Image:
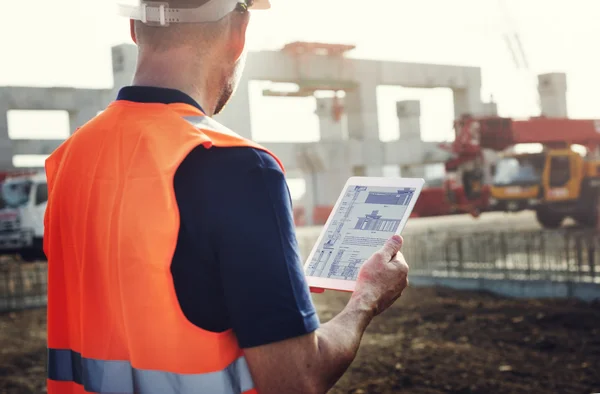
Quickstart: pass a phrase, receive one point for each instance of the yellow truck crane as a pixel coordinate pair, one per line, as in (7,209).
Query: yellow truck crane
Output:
(560,181)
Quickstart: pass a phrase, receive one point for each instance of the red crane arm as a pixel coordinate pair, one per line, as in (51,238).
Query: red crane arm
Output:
(500,133)
(550,131)
(475,134)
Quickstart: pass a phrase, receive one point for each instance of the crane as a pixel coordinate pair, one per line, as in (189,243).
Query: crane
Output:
(557,182)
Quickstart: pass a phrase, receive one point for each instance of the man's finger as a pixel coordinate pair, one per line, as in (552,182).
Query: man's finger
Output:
(391,248)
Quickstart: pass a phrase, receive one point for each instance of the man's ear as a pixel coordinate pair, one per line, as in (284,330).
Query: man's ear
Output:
(132,30)
(239,26)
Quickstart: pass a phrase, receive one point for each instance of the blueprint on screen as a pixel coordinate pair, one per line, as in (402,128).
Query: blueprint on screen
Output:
(366,218)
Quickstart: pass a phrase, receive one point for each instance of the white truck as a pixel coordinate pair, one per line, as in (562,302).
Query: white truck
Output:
(23,201)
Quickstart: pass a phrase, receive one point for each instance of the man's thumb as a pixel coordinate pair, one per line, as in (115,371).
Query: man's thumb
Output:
(392,247)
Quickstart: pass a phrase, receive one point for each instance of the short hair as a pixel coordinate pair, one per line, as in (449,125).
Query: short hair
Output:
(160,38)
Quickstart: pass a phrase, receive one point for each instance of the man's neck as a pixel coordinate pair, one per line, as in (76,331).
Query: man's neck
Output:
(166,72)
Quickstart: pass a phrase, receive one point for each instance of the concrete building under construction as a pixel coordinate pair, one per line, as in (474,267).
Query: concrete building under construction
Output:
(346,148)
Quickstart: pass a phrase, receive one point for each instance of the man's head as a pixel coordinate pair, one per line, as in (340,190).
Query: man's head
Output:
(210,53)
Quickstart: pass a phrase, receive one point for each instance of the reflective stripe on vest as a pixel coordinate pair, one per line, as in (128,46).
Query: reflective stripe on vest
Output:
(100,376)
(206,123)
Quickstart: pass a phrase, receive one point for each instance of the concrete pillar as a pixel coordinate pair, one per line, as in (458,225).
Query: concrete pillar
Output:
(332,175)
(552,89)
(467,101)
(308,200)
(326,170)
(124,60)
(330,185)
(330,130)
(361,110)
(337,169)
(327,179)
(82,116)
(6,149)
(374,170)
(489,109)
(326,187)
(409,121)
(416,171)
(363,125)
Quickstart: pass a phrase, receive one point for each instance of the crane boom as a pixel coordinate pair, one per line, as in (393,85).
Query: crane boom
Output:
(495,133)
(550,131)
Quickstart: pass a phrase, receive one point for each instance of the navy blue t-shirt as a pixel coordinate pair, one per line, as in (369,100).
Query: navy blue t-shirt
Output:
(236,264)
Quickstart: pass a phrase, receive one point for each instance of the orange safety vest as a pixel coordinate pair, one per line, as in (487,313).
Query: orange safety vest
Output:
(112,223)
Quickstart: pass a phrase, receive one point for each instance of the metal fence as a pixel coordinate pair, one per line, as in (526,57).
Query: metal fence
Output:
(556,256)
(22,285)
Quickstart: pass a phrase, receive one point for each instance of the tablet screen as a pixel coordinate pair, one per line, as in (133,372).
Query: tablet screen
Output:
(367,216)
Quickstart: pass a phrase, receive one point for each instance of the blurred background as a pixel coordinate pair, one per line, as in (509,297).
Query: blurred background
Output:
(494,102)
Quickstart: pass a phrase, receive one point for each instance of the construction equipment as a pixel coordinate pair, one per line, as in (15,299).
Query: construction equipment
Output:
(23,200)
(560,180)
(466,186)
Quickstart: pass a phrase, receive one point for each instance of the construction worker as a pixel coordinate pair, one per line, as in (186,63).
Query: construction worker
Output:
(172,256)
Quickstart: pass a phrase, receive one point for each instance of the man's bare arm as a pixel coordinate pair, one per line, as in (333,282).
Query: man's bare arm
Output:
(313,363)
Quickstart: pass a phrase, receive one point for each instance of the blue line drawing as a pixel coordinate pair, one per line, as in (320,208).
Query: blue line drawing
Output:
(402,197)
(338,231)
(374,222)
(321,262)
(348,270)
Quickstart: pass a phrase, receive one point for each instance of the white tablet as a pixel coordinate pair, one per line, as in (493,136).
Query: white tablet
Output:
(368,212)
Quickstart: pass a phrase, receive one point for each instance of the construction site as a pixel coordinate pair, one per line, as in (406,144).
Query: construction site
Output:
(504,248)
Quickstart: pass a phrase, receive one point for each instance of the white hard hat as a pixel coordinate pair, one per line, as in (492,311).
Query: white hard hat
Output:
(159,13)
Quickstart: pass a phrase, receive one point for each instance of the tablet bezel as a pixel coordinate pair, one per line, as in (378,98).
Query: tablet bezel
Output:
(347,285)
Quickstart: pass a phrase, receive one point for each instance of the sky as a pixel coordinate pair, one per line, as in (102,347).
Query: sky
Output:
(67,43)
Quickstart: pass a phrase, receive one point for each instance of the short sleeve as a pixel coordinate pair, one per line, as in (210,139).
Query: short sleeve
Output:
(266,293)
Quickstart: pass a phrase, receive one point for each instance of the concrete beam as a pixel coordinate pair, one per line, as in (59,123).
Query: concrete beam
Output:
(81,104)
(331,155)
(58,98)
(279,67)
(363,149)
(361,103)
(35,147)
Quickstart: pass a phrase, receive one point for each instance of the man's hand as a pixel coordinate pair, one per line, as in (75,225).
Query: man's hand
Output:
(383,278)
(313,363)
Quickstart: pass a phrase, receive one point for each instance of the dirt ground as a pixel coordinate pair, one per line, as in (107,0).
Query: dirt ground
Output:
(433,341)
